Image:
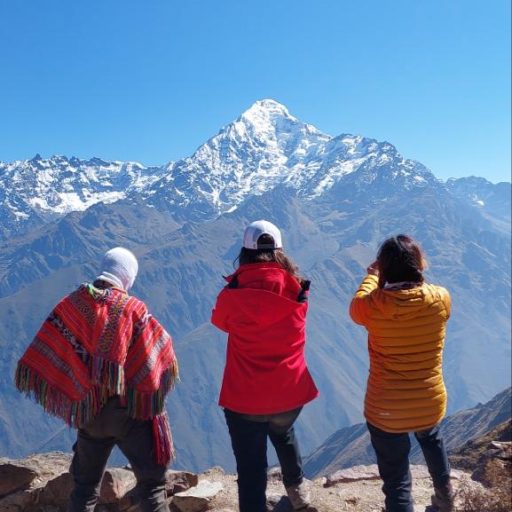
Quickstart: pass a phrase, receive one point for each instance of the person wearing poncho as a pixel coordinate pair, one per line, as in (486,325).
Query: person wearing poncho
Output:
(103,364)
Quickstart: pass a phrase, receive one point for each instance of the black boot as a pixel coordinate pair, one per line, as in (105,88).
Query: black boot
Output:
(444,498)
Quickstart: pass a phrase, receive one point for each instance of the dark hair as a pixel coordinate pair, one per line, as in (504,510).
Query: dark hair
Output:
(101,285)
(400,258)
(248,256)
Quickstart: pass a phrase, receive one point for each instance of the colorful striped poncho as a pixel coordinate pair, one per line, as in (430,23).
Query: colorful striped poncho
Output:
(96,344)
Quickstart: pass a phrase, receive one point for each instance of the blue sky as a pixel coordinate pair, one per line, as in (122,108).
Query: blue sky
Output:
(150,81)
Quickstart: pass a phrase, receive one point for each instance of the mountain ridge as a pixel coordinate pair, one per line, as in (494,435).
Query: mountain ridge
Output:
(351,445)
(264,147)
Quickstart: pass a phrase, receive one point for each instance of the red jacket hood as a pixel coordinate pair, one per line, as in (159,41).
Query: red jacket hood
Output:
(259,295)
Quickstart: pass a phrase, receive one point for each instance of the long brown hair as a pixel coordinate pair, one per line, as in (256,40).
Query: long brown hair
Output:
(248,256)
(400,258)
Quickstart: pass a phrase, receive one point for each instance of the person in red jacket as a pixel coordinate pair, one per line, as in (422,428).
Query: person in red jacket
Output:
(266,381)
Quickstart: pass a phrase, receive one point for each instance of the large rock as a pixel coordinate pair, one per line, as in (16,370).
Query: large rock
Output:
(179,481)
(197,498)
(115,484)
(58,490)
(18,501)
(353,474)
(14,477)
(501,450)
(29,476)
(276,502)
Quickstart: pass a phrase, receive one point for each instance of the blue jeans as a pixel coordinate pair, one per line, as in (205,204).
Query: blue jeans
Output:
(392,452)
(249,441)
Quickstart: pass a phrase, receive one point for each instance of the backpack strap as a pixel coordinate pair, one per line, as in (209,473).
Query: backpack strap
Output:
(233,283)
(304,292)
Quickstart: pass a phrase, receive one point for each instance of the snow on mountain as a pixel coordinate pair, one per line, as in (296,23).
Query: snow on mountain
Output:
(477,190)
(265,147)
(472,188)
(492,199)
(45,188)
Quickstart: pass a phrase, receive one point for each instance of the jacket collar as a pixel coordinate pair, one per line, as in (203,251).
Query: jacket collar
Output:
(253,266)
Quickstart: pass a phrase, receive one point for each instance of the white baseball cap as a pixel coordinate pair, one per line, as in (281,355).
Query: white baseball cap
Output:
(262,227)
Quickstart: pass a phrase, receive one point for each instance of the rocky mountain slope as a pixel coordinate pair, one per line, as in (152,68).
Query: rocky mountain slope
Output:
(351,445)
(493,200)
(494,446)
(335,198)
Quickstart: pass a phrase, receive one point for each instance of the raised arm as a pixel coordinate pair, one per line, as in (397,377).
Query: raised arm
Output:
(359,305)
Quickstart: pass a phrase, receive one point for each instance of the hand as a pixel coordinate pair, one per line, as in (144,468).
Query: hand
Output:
(373,268)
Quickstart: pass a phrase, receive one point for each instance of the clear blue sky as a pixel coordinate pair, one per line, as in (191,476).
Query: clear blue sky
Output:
(152,80)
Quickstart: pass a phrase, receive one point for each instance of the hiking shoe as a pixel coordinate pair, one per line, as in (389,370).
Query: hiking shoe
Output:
(444,498)
(299,495)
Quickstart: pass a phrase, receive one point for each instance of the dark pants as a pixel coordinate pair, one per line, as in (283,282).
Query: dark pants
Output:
(249,441)
(392,452)
(91,451)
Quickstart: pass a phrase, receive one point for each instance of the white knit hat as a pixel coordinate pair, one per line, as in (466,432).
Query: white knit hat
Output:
(262,227)
(119,268)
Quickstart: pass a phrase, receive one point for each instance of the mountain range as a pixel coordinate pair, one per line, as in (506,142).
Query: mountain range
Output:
(335,199)
(351,445)
(264,148)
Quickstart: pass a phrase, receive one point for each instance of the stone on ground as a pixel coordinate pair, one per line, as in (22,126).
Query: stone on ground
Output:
(179,481)
(353,474)
(196,499)
(57,491)
(115,484)
(15,477)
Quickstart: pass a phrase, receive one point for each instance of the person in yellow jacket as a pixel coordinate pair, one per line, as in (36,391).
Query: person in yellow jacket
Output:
(406,322)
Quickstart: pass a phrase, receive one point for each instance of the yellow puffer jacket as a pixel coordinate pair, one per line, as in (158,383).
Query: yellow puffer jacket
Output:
(406,332)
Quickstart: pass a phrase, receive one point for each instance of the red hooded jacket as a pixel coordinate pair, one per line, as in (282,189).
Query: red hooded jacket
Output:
(265,371)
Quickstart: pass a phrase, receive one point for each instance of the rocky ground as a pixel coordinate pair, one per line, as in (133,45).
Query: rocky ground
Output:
(41,483)
(356,489)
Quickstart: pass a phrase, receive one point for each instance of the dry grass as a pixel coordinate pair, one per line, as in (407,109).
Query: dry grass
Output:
(496,498)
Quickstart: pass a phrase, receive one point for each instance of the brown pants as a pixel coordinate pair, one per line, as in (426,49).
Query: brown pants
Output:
(94,444)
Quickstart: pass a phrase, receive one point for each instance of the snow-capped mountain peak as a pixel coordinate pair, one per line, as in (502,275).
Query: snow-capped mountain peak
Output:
(266,109)
(264,147)
(493,199)
(267,146)
(49,187)
(267,117)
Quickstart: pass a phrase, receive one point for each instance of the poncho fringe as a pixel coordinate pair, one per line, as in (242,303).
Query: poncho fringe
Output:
(142,406)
